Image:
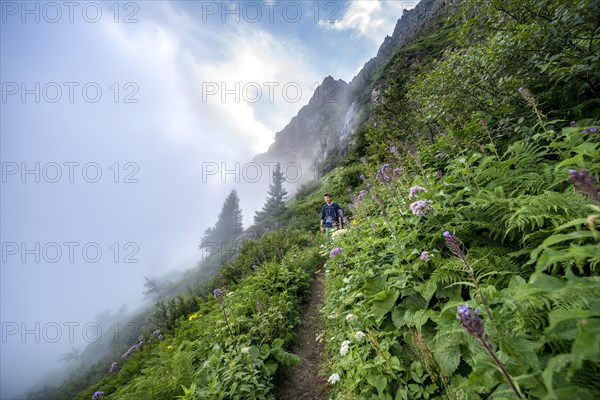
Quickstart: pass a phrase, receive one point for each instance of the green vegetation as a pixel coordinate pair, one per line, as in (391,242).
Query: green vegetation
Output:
(471,184)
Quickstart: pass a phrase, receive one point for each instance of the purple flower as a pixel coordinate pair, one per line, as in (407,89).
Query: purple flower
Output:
(362,193)
(584,183)
(421,208)
(362,177)
(156,332)
(413,191)
(349,190)
(573,123)
(113,367)
(447,234)
(591,129)
(426,256)
(521,90)
(160,337)
(217,293)
(393,149)
(97,395)
(335,251)
(470,321)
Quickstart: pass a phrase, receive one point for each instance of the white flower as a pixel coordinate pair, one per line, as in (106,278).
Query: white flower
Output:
(333,378)
(246,350)
(344,348)
(350,317)
(336,233)
(359,335)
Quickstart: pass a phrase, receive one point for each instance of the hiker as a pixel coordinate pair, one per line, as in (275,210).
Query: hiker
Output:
(331,215)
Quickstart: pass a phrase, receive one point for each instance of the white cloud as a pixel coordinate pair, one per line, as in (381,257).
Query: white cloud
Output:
(371,18)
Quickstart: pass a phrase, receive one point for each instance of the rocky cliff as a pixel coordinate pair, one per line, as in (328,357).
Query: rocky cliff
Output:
(323,128)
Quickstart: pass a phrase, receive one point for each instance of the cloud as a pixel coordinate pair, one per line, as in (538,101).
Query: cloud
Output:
(373,18)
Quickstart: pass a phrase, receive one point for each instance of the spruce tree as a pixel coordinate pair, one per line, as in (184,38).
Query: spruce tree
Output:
(228,225)
(274,209)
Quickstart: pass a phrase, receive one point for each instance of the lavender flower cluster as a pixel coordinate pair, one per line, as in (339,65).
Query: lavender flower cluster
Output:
(113,367)
(584,183)
(413,191)
(420,208)
(335,251)
(132,349)
(471,321)
(98,395)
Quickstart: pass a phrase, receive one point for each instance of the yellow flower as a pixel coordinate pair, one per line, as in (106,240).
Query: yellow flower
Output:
(169,347)
(354,222)
(193,316)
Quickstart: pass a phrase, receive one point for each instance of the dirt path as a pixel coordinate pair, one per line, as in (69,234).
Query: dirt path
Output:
(303,382)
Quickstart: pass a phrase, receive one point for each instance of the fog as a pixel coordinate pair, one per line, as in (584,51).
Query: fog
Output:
(124,125)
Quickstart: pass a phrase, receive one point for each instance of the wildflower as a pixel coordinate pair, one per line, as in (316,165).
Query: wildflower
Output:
(333,378)
(217,293)
(584,183)
(170,347)
(246,349)
(474,326)
(255,267)
(349,190)
(573,123)
(413,191)
(421,208)
(354,222)
(393,149)
(344,348)
(98,395)
(591,129)
(359,335)
(160,337)
(156,332)
(362,193)
(470,321)
(193,317)
(438,155)
(341,266)
(362,177)
(113,367)
(426,256)
(351,317)
(335,251)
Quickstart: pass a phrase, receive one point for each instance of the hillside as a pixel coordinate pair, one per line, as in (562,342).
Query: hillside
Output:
(468,268)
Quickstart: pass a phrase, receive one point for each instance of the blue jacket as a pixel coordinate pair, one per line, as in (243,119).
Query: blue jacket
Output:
(330,214)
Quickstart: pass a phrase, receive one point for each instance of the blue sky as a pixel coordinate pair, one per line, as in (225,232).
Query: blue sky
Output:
(116,110)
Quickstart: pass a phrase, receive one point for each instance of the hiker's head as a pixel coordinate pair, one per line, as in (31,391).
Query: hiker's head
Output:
(327,198)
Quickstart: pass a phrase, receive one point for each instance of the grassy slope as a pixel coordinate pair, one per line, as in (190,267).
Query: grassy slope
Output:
(500,186)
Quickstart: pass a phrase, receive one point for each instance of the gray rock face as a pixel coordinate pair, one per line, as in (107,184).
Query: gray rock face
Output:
(325,125)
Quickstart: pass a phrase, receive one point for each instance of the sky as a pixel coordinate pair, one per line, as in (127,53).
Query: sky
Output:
(124,125)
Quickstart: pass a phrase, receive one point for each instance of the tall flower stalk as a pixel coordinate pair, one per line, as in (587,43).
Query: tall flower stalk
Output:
(473,324)
(455,246)
(218,294)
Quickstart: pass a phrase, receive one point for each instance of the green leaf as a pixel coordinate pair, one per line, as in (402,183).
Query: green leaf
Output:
(383,302)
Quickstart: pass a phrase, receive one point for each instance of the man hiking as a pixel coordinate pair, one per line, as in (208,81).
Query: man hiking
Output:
(331,215)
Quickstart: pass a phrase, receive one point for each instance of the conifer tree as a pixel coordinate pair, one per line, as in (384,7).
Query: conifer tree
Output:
(274,209)
(228,226)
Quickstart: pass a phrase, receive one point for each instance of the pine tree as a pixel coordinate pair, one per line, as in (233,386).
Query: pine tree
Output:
(274,209)
(228,226)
